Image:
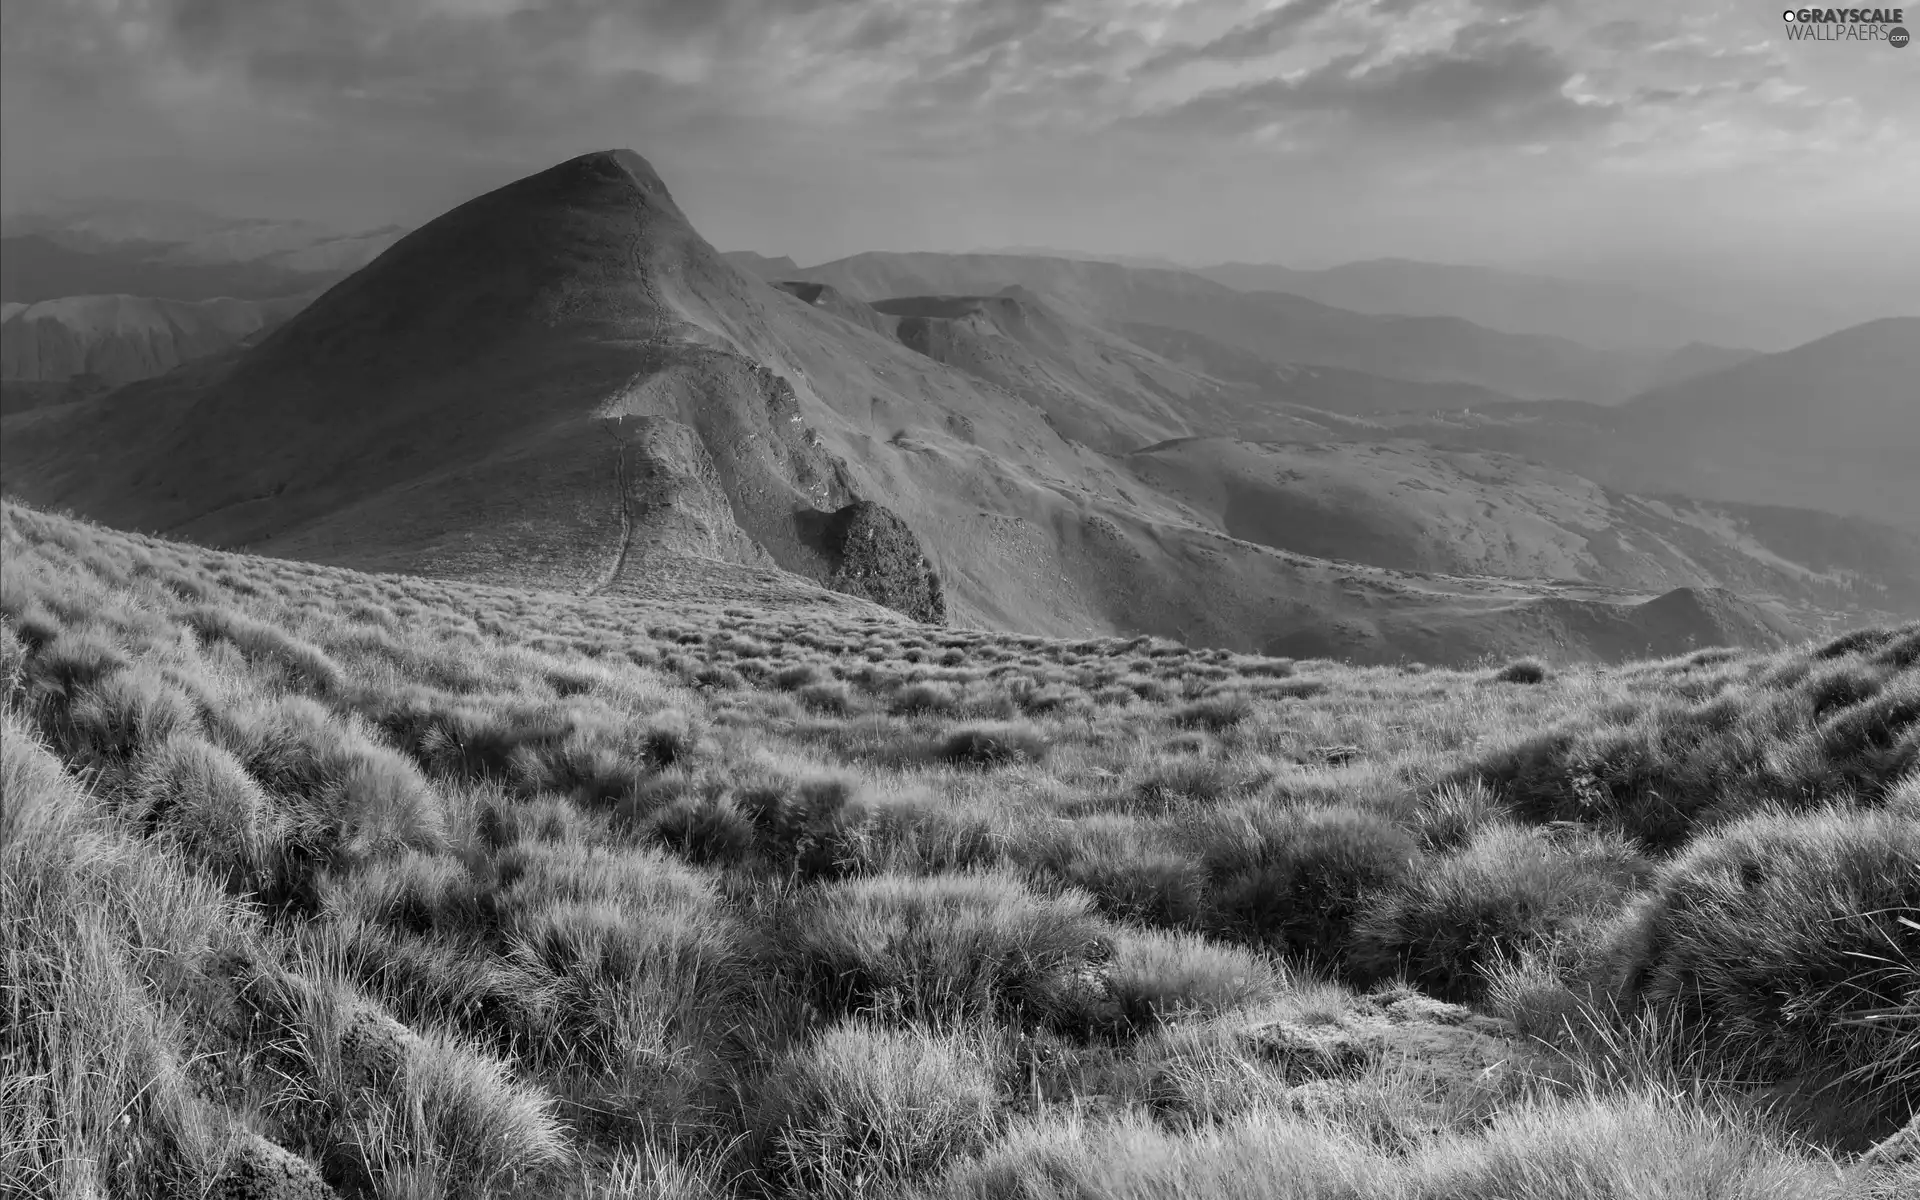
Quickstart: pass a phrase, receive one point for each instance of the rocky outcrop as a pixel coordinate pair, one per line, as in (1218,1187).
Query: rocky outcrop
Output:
(875,555)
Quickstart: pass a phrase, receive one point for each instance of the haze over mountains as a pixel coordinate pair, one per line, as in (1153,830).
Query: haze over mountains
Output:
(117,339)
(104,293)
(1833,424)
(561,384)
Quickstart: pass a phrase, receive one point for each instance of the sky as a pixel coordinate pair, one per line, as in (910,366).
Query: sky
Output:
(1626,135)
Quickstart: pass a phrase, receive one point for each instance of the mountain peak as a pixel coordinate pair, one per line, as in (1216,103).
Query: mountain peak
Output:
(613,165)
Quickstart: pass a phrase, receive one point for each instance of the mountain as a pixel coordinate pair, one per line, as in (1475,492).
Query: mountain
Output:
(1832,425)
(1125,260)
(1279,328)
(1592,312)
(1094,388)
(560,384)
(118,339)
(768,268)
(1415,507)
(1694,360)
(1329,389)
(173,252)
(34,268)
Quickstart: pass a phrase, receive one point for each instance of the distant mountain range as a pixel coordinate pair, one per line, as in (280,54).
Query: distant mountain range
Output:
(1832,425)
(1597,314)
(561,384)
(118,339)
(105,294)
(1279,328)
(166,252)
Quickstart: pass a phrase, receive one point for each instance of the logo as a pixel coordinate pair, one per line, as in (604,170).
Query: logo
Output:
(1847,25)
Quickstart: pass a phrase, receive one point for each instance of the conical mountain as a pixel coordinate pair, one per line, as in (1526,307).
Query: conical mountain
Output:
(534,387)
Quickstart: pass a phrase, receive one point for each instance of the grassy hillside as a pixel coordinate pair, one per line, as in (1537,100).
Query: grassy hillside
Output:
(428,889)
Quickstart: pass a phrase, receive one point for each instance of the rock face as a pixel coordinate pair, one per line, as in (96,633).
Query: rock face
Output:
(875,555)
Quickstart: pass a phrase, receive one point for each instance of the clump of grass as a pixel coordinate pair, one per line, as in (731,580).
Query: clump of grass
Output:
(703,831)
(862,1107)
(1787,944)
(1645,1144)
(306,665)
(209,807)
(1510,890)
(110,721)
(1525,670)
(1452,813)
(948,948)
(1157,975)
(924,698)
(1127,871)
(1215,714)
(1196,779)
(829,698)
(1296,879)
(87,1039)
(993,745)
(796,677)
(808,824)
(381,1102)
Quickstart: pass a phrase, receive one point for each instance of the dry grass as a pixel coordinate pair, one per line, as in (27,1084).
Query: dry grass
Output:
(459,891)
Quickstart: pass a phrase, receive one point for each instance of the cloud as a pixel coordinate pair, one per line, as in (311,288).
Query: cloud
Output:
(829,119)
(1265,34)
(1480,87)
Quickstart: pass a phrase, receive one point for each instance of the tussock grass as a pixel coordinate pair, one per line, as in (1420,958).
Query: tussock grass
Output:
(434,889)
(950,948)
(1509,891)
(1790,944)
(864,1107)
